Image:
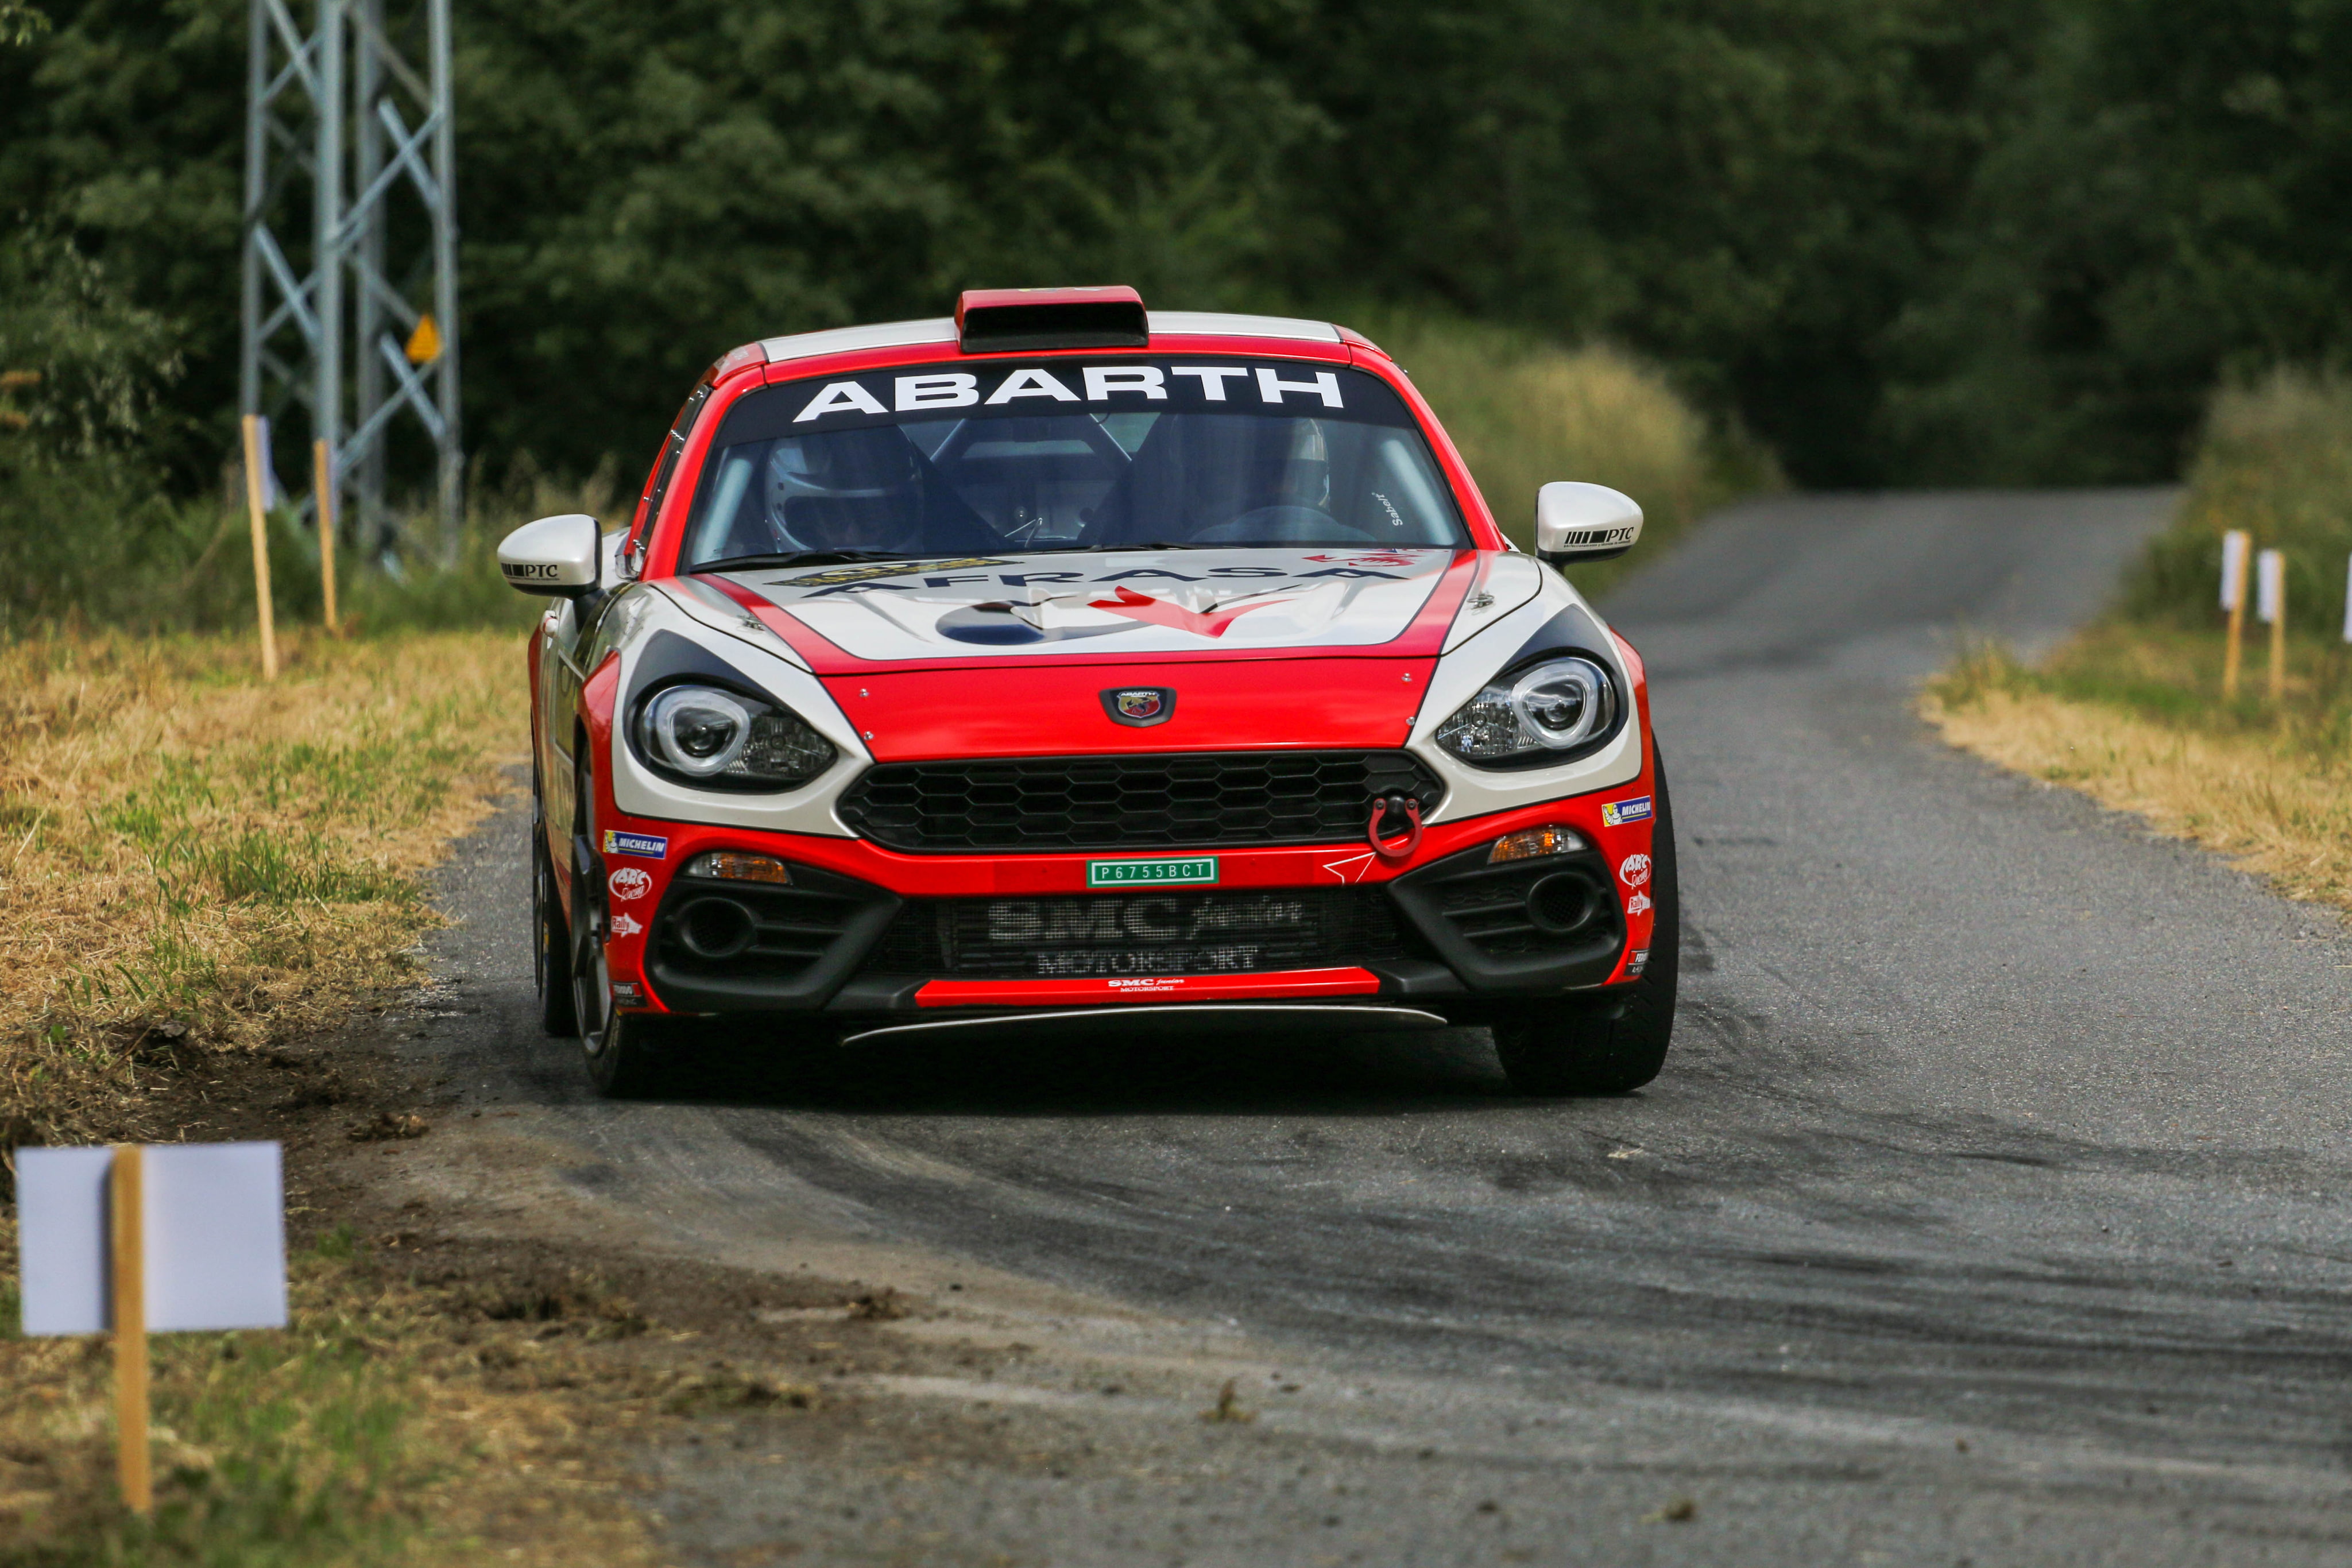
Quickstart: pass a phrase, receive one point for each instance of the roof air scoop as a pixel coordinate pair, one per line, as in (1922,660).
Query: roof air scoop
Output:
(1021,321)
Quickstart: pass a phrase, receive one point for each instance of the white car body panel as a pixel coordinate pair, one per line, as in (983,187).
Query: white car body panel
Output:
(638,790)
(1124,602)
(942,330)
(1468,665)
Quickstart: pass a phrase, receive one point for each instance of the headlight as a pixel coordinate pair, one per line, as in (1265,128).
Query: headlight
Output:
(704,734)
(1552,711)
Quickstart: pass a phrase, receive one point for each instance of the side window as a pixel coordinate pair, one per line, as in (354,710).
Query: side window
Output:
(667,465)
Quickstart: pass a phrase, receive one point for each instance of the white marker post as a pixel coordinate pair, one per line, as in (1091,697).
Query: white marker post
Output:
(2348,600)
(2270,603)
(2235,545)
(157,1239)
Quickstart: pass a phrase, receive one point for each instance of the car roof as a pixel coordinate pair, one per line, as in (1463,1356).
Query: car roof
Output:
(942,330)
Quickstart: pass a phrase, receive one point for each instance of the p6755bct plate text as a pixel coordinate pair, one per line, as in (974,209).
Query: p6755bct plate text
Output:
(1151,873)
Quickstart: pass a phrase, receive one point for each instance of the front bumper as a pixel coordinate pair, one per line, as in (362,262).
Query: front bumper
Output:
(872,936)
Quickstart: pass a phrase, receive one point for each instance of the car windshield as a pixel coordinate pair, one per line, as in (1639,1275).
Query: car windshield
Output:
(1066,454)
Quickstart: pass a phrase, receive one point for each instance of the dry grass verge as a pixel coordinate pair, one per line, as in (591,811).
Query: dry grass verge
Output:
(193,858)
(202,875)
(2124,715)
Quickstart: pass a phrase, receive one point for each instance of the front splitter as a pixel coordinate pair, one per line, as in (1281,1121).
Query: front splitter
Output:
(1172,1018)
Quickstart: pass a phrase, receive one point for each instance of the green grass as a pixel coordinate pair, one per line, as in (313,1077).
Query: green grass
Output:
(285,1449)
(91,542)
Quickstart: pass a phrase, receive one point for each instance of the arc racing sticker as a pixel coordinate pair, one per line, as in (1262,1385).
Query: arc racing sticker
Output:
(1633,870)
(1617,813)
(650,846)
(629,882)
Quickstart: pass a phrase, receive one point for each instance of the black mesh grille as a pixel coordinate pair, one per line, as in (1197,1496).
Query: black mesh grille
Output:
(782,930)
(1223,932)
(1185,800)
(1530,907)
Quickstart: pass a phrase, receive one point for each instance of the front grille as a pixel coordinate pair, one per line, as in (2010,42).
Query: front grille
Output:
(1181,801)
(1204,933)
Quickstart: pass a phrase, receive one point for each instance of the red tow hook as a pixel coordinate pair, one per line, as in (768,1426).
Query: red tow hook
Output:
(1382,806)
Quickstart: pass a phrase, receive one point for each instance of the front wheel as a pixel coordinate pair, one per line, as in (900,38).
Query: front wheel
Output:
(551,938)
(1582,1047)
(622,1050)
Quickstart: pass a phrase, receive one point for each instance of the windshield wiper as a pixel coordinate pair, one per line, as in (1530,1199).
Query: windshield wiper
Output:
(802,558)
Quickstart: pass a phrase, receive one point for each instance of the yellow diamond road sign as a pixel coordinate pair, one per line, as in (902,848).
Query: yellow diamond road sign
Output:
(425,343)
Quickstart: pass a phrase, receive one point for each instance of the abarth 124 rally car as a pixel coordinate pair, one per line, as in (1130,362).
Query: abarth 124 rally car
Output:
(1059,665)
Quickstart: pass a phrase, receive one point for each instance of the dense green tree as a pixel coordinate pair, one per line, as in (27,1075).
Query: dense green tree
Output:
(1749,189)
(2164,208)
(1899,239)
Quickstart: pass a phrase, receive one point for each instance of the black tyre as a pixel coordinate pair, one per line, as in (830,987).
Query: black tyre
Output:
(1576,1047)
(551,936)
(623,1050)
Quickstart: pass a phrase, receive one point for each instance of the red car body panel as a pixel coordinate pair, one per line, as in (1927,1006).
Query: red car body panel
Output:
(1052,709)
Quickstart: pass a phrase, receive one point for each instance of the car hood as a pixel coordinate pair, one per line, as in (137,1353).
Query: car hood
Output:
(1110,604)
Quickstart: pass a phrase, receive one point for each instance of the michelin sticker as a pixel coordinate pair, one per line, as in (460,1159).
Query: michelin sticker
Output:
(630,883)
(651,846)
(1633,870)
(1617,813)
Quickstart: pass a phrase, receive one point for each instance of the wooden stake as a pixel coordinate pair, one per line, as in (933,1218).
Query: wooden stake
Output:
(2230,654)
(127,1210)
(253,507)
(322,484)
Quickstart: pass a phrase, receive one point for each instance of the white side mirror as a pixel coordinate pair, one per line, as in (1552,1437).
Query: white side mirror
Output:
(1584,522)
(554,555)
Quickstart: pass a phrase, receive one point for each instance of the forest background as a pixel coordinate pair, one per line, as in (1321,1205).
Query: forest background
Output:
(1894,242)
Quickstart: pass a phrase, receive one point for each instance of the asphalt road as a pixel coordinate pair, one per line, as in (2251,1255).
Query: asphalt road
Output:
(1991,1206)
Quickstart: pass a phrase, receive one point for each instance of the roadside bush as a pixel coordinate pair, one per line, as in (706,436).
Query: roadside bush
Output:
(2274,458)
(1525,411)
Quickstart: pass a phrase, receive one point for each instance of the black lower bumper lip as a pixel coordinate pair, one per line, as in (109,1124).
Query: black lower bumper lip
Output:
(1445,933)
(1171,1019)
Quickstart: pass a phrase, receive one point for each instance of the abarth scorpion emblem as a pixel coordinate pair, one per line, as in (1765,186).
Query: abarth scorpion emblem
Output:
(1140,706)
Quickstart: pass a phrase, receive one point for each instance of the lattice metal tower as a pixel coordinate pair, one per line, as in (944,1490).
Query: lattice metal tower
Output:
(370,322)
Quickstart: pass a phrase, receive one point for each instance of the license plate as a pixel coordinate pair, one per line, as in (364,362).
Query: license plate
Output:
(1151,874)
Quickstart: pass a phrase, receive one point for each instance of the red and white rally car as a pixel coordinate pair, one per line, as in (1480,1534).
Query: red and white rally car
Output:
(1055,665)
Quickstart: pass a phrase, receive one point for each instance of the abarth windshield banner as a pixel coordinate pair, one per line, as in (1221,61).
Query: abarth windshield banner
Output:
(1143,602)
(1015,390)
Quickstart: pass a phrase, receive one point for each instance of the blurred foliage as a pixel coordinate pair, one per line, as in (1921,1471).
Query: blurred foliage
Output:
(1526,412)
(1898,241)
(2274,458)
